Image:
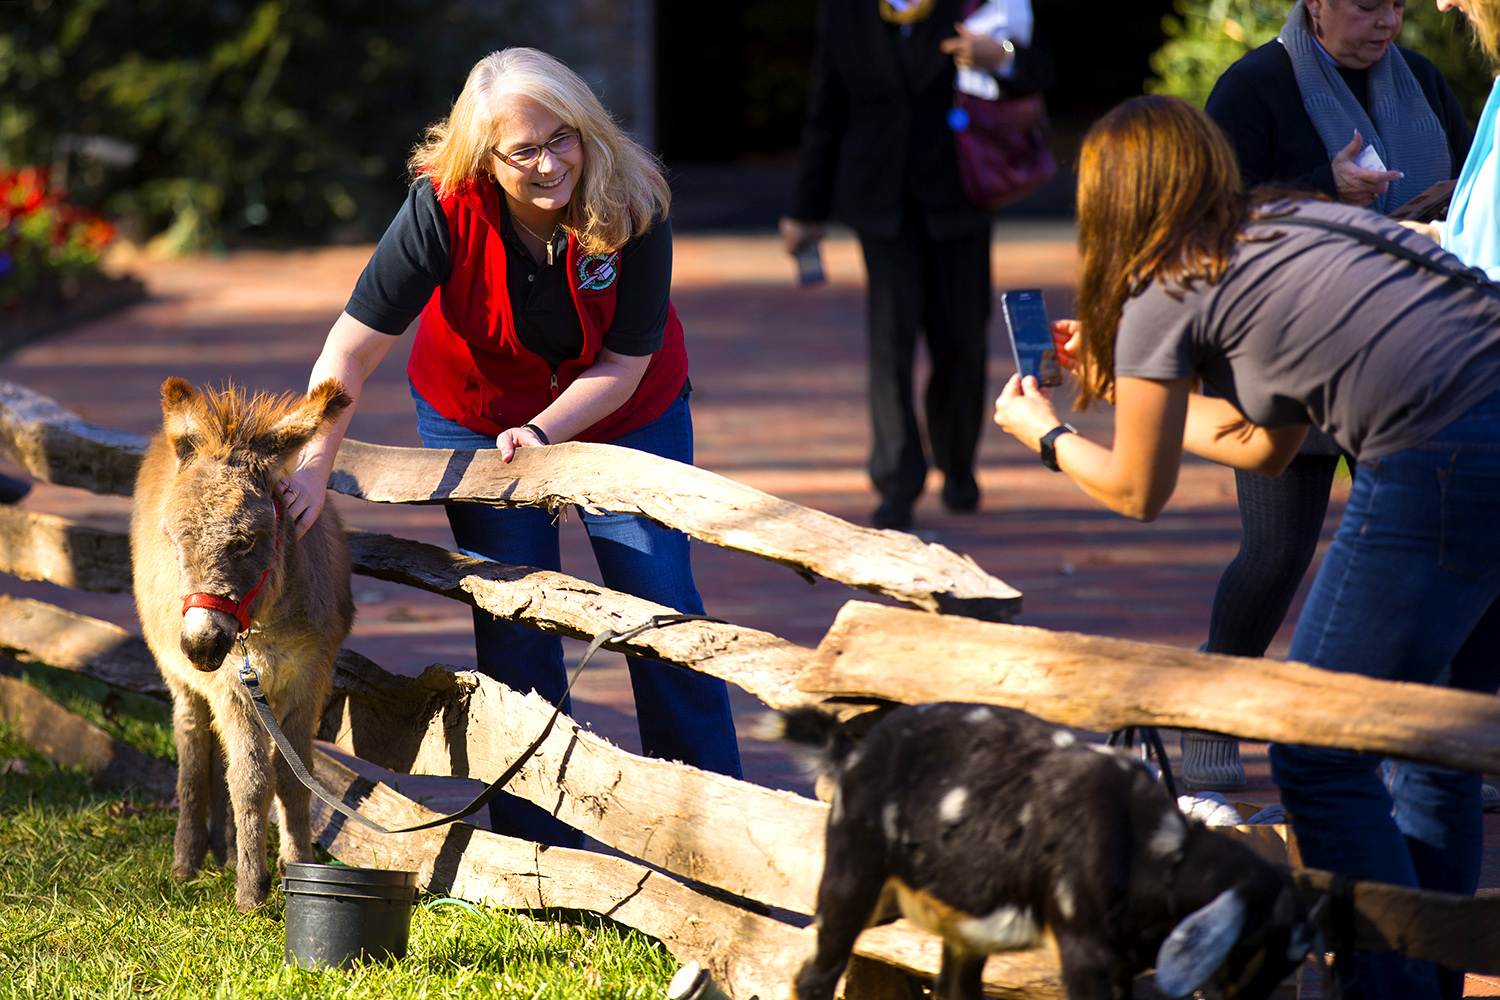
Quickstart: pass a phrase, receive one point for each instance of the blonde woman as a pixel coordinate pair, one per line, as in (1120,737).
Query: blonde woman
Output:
(535,252)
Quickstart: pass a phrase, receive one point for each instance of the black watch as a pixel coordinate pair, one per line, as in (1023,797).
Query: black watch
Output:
(1049,444)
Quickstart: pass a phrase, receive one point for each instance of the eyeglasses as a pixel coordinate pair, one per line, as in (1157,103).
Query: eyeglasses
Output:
(527,156)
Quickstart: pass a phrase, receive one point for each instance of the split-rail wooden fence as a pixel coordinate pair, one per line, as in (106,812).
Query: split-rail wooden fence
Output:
(721,871)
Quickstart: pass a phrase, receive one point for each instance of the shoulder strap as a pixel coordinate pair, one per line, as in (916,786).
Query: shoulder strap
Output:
(1472,275)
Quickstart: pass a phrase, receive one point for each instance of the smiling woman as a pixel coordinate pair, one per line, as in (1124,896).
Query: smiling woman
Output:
(534,245)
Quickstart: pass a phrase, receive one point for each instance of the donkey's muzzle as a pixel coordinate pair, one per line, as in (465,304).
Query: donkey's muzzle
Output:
(206,646)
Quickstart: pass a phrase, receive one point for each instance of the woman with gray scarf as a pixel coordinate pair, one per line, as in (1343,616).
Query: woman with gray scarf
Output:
(1333,106)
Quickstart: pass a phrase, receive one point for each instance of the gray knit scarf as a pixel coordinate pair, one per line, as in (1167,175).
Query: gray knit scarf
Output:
(1405,132)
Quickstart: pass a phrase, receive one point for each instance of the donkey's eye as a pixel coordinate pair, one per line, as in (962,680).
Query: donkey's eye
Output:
(241,544)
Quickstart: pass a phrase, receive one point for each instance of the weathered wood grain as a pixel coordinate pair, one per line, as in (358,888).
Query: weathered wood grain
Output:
(1103,684)
(38,546)
(696,501)
(755,842)
(748,955)
(1458,932)
(1015,975)
(57,446)
(36,630)
(759,662)
(73,741)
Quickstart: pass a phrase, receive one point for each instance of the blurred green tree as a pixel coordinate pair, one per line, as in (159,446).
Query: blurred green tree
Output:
(288,118)
(1205,36)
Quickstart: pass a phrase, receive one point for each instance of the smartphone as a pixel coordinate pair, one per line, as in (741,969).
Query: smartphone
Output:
(809,264)
(1031,336)
(1430,204)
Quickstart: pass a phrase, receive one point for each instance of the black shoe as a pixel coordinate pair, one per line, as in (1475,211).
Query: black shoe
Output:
(961,496)
(892,514)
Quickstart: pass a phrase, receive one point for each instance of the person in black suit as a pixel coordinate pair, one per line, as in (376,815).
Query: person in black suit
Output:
(878,155)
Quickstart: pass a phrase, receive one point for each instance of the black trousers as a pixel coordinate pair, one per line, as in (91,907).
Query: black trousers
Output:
(1282,519)
(940,288)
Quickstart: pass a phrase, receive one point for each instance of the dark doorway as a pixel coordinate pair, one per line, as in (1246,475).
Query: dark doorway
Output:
(732,83)
(731,77)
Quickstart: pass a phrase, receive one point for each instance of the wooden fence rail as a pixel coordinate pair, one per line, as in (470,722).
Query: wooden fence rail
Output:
(680,829)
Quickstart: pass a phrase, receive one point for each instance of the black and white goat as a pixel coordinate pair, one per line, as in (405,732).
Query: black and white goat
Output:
(997,831)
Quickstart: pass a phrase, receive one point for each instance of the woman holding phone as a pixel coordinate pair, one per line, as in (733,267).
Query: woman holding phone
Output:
(1331,92)
(1293,325)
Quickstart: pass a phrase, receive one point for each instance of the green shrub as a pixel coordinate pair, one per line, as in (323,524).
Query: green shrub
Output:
(290,118)
(1206,36)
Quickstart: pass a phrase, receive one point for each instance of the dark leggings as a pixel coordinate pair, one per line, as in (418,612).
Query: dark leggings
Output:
(1282,519)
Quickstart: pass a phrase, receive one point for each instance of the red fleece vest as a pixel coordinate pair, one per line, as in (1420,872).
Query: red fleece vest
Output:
(467,360)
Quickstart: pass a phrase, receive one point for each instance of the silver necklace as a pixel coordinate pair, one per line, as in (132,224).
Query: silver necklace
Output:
(537,236)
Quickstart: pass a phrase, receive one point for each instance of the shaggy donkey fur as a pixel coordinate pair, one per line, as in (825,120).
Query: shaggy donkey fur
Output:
(207,520)
(997,831)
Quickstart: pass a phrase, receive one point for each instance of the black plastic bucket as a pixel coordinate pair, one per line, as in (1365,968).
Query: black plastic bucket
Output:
(337,915)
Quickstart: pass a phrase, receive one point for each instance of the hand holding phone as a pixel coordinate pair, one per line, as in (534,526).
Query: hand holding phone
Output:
(1031,339)
(809,258)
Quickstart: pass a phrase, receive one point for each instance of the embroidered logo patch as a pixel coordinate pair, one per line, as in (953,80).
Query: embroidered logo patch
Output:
(597,271)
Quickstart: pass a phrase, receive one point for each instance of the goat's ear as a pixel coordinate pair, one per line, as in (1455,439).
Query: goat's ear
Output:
(181,417)
(1199,944)
(321,407)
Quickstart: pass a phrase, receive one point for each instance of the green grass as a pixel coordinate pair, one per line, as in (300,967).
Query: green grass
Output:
(88,909)
(145,723)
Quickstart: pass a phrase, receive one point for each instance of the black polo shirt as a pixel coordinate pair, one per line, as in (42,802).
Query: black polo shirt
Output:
(414,257)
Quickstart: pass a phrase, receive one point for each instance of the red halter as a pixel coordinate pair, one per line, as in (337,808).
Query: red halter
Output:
(241,609)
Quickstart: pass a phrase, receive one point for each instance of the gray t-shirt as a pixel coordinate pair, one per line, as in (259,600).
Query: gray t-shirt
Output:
(1315,327)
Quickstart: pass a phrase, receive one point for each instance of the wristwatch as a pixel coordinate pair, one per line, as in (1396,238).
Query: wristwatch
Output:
(1049,444)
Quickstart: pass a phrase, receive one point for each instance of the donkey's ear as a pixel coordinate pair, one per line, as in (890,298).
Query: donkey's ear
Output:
(1199,944)
(180,416)
(321,407)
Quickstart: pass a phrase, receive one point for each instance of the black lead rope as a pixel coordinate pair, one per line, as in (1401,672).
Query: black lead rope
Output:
(251,679)
(1152,745)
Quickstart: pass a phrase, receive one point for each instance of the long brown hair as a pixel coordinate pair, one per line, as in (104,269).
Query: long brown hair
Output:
(1159,199)
(621,190)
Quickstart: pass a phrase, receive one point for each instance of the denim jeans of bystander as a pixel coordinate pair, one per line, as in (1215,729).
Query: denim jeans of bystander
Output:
(1407,592)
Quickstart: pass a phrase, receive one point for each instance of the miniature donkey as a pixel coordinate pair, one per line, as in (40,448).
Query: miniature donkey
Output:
(997,831)
(215,558)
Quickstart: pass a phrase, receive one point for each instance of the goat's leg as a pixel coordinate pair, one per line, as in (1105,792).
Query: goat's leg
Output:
(961,975)
(248,769)
(851,887)
(192,727)
(295,799)
(1090,968)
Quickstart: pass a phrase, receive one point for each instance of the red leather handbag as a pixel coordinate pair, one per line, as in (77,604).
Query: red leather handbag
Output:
(1005,152)
(1004,145)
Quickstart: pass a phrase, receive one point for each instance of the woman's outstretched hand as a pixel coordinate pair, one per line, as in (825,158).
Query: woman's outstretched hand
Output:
(302,496)
(1024,412)
(512,438)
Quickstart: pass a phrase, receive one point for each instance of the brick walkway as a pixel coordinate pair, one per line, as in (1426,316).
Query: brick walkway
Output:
(778,403)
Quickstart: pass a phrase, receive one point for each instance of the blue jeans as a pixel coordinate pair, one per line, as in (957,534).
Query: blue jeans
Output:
(1407,592)
(683,715)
